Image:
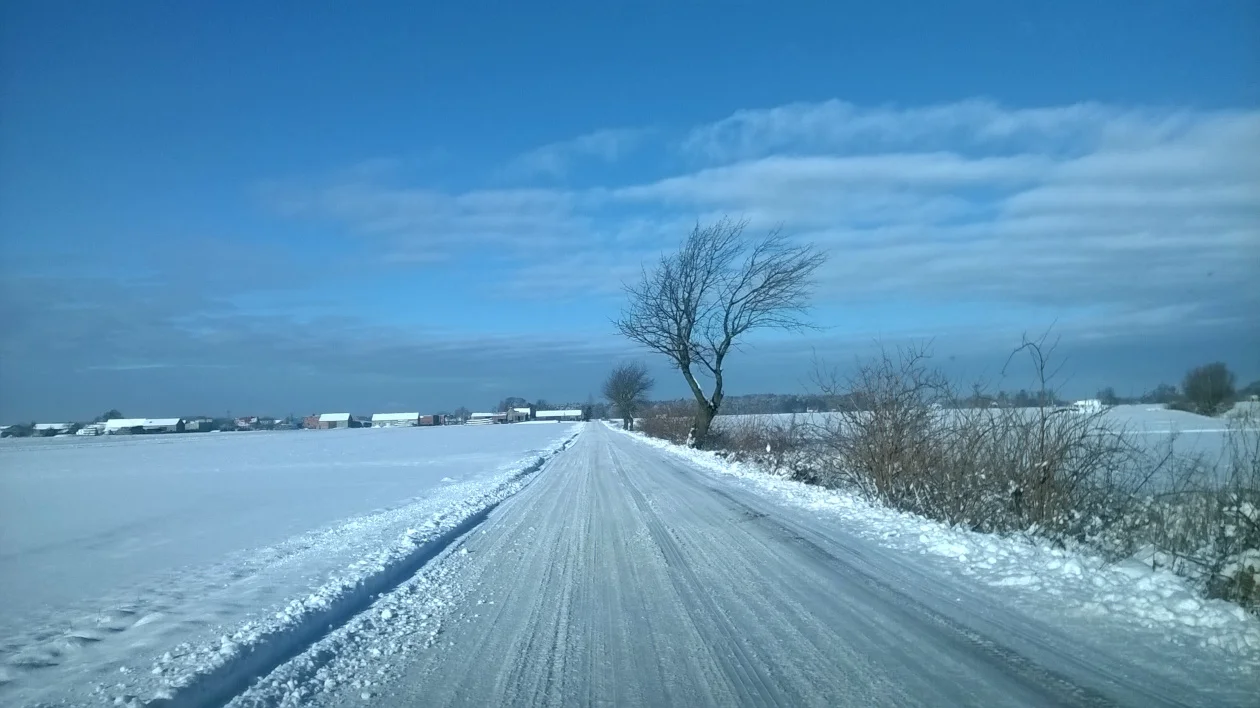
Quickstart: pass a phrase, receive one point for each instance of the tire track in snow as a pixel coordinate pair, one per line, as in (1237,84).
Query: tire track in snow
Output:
(742,669)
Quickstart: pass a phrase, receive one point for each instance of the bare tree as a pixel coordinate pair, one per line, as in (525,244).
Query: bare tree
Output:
(697,304)
(626,388)
(1209,388)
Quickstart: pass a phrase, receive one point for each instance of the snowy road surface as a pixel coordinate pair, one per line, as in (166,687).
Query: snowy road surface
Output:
(622,575)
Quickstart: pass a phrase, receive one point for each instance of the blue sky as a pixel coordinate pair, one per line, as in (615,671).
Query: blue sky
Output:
(216,206)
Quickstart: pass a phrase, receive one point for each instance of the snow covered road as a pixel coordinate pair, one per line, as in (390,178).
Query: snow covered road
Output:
(624,575)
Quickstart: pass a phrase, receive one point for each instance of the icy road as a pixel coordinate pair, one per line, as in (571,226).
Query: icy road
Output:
(623,575)
(604,569)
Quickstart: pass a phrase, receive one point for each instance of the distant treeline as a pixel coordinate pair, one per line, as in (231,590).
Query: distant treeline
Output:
(1163,394)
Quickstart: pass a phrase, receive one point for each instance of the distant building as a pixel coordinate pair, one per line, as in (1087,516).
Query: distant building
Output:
(125,426)
(395,420)
(1089,405)
(572,414)
(328,421)
(485,418)
(48,430)
(516,415)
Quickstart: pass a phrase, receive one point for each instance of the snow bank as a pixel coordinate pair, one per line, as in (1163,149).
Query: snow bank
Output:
(210,675)
(1054,582)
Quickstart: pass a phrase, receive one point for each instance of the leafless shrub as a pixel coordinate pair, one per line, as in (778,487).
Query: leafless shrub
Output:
(1070,475)
(1204,523)
(672,422)
(912,443)
(781,446)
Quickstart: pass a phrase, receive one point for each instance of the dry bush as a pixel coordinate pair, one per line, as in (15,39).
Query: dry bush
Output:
(1067,475)
(1204,523)
(912,444)
(781,446)
(672,422)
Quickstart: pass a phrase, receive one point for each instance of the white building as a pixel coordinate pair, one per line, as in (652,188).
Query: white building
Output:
(198,424)
(483,418)
(395,420)
(571,414)
(144,425)
(1089,405)
(334,420)
(50,429)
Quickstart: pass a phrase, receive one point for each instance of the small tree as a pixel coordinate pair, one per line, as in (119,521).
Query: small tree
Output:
(511,402)
(1163,393)
(1108,397)
(1209,388)
(462,414)
(626,389)
(699,302)
(111,414)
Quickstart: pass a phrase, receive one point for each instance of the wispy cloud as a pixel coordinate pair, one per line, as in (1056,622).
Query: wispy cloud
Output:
(1087,207)
(556,159)
(972,124)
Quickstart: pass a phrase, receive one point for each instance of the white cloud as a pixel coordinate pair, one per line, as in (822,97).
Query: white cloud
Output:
(837,125)
(556,159)
(1089,208)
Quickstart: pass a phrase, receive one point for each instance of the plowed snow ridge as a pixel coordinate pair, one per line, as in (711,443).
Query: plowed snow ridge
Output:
(255,651)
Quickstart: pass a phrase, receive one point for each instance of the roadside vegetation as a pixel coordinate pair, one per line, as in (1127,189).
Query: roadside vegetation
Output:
(899,432)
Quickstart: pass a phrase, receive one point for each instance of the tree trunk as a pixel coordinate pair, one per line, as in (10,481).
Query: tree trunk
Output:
(627,423)
(700,428)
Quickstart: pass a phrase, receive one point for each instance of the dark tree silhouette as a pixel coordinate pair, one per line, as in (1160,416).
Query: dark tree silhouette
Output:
(1209,388)
(626,389)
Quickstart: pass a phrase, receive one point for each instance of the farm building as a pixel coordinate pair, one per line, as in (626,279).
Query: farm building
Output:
(327,421)
(395,420)
(485,418)
(1089,405)
(124,426)
(51,429)
(570,415)
(515,415)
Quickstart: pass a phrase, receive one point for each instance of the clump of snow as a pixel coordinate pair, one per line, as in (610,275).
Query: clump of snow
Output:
(1053,582)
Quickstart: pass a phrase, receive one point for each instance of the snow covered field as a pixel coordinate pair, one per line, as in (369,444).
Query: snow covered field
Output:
(115,553)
